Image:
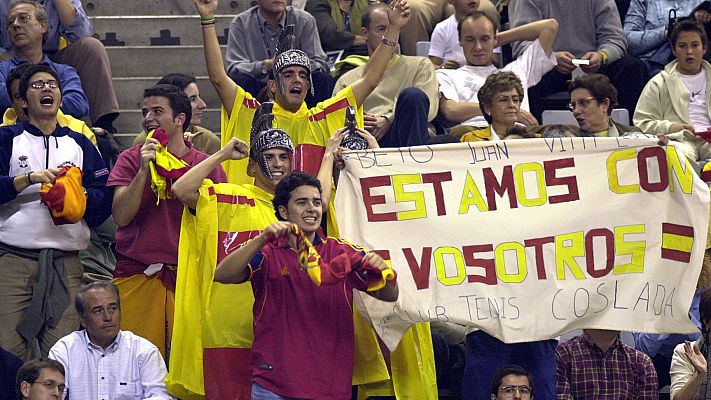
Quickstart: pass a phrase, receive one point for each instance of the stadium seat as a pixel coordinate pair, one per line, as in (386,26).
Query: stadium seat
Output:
(423,49)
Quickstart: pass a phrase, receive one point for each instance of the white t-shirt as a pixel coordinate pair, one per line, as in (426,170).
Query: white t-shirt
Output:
(463,84)
(444,42)
(698,111)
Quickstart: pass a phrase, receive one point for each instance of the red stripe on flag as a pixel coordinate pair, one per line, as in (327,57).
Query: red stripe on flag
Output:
(343,103)
(230,199)
(308,158)
(250,103)
(681,230)
(676,255)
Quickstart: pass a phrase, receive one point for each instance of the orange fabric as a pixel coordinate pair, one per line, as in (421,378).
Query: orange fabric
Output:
(65,198)
(147,308)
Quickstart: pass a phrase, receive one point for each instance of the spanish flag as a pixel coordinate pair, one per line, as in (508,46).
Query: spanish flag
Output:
(677,242)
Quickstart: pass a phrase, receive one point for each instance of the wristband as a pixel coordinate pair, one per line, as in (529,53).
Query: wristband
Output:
(29,181)
(388,42)
(207,21)
(604,57)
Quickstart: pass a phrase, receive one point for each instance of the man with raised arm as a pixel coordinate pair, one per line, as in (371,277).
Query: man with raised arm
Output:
(478,36)
(289,82)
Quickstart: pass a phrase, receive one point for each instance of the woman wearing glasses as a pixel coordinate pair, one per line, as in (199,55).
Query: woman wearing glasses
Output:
(592,98)
(500,101)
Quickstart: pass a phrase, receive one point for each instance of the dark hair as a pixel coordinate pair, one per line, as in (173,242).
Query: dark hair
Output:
(442,139)
(80,302)
(496,83)
(518,130)
(503,372)
(40,13)
(474,16)
(365,17)
(559,130)
(177,99)
(282,192)
(30,371)
(30,72)
(599,86)
(687,25)
(181,81)
(705,308)
(15,75)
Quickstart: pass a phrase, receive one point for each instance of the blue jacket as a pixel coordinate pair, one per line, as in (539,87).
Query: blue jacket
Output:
(74,101)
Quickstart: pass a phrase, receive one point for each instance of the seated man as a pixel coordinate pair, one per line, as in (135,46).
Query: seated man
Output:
(27,33)
(146,215)
(338,24)
(102,361)
(40,379)
(67,19)
(202,139)
(252,47)
(51,254)
(676,99)
(598,365)
(477,34)
(445,50)
(311,329)
(646,27)
(500,101)
(398,111)
(511,382)
(592,98)
(590,31)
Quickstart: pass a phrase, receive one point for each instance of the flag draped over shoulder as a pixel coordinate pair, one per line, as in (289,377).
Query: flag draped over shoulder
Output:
(209,314)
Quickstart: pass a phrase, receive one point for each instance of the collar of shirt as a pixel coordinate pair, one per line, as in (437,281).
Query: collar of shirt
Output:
(616,345)
(16,61)
(92,347)
(263,22)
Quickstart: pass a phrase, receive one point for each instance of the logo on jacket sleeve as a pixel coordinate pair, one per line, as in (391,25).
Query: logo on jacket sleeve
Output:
(22,162)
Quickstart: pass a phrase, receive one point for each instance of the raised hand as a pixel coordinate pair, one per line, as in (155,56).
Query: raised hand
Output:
(235,149)
(695,357)
(399,13)
(206,8)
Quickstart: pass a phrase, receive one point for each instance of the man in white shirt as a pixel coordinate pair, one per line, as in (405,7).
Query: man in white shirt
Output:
(103,362)
(478,37)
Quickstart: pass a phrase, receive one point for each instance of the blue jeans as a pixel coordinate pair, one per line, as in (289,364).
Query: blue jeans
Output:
(260,393)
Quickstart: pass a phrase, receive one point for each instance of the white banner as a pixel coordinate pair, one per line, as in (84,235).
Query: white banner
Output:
(529,239)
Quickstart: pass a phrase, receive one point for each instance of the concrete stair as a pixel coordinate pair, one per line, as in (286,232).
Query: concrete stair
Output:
(149,39)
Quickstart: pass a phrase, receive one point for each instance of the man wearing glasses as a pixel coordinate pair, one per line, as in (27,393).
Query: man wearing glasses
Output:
(27,29)
(40,379)
(592,98)
(511,382)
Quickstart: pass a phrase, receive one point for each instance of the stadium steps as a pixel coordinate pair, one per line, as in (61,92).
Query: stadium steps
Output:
(149,39)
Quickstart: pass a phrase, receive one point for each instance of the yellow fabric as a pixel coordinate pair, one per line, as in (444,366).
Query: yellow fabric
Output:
(305,127)
(147,307)
(307,130)
(201,304)
(168,162)
(73,204)
(412,366)
(477,135)
(64,120)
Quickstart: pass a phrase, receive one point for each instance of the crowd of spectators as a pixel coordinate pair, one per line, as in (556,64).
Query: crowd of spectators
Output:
(490,70)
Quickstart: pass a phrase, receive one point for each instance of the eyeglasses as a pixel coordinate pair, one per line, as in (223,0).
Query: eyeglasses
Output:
(582,103)
(51,385)
(22,19)
(509,391)
(52,84)
(506,99)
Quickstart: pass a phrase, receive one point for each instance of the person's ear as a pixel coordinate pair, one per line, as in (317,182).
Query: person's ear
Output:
(284,213)
(25,389)
(180,119)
